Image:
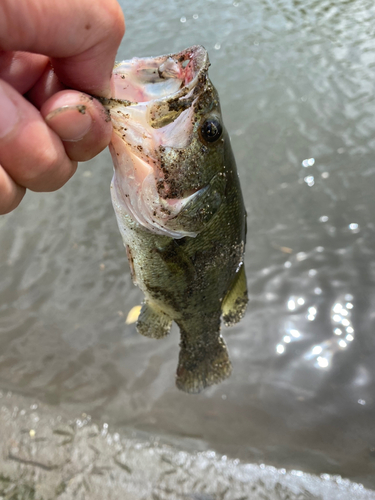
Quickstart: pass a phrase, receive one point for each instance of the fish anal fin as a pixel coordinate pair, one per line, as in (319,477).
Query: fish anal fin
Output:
(153,322)
(201,367)
(235,301)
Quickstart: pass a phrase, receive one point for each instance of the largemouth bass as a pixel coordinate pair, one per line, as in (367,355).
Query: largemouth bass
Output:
(179,207)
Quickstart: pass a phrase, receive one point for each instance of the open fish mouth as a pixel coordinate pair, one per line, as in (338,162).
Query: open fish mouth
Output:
(153,111)
(168,84)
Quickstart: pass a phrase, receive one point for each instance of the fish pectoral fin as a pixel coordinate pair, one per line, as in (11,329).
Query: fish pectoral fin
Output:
(153,322)
(202,366)
(177,260)
(235,301)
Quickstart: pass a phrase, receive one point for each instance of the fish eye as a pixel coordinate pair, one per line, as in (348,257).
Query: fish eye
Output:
(211,130)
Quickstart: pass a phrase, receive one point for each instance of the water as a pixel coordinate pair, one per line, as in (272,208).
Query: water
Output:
(296,81)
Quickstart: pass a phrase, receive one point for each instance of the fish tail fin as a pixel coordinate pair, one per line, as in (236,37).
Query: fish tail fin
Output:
(202,366)
(153,322)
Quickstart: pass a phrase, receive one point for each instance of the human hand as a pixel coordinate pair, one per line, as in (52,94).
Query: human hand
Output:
(45,126)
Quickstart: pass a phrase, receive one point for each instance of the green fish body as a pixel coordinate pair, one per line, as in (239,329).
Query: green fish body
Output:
(179,207)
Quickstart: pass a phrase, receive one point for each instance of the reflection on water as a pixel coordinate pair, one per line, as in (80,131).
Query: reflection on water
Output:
(296,81)
(323,353)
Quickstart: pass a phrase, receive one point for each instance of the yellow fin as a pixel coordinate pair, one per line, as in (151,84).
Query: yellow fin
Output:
(235,301)
(133,315)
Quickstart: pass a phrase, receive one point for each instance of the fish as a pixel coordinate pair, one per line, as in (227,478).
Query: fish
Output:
(179,207)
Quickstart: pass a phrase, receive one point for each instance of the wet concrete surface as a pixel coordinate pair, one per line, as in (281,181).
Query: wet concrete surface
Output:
(45,455)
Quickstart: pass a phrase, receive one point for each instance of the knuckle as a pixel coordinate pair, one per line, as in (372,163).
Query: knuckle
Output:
(10,193)
(12,203)
(55,169)
(50,159)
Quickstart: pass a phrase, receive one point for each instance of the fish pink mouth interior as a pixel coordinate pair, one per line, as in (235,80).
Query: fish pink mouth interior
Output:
(152,109)
(141,80)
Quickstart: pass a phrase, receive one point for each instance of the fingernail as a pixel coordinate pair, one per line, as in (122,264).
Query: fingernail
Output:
(71,123)
(8,113)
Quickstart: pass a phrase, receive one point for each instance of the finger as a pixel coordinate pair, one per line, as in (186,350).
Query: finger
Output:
(47,85)
(80,121)
(22,70)
(30,152)
(81,37)
(11,193)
